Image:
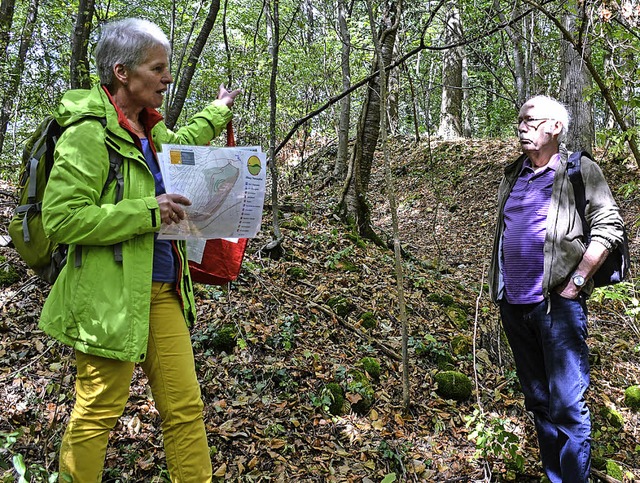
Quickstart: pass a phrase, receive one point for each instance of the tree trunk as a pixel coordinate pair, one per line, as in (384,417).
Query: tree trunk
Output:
(353,207)
(451,106)
(181,90)
(227,50)
(15,73)
(519,53)
(274,248)
(414,108)
(467,130)
(393,100)
(340,168)
(531,69)
(574,86)
(79,74)
(7,8)
(609,68)
(394,217)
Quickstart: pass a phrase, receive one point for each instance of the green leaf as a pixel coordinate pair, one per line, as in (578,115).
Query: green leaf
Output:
(20,467)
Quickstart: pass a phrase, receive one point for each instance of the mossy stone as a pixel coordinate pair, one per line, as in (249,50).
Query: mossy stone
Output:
(297,272)
(224,339)
(453,385)
(458,316)
(632,398)
(337,398)
(340,306)
(295,222)
(613,417)
(345,266)
(371,367)
(8,274)
(461,345)
(361,388)
(299,221)
(442,299)
(445,361)
(368,320)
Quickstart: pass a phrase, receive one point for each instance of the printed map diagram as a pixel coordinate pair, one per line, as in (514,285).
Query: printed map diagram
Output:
(225,186)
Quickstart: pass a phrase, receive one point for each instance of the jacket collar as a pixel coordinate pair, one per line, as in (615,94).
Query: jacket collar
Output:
(149,117)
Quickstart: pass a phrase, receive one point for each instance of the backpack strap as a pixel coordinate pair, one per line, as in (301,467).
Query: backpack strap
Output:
(48,137)
(115,173)
(574,165)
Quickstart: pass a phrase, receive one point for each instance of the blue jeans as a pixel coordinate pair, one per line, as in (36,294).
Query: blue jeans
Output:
(552,361)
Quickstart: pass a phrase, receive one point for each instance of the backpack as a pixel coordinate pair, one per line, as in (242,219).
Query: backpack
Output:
(41,254)
(616,266)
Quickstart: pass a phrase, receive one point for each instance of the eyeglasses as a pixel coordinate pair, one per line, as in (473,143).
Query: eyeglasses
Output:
(529,122)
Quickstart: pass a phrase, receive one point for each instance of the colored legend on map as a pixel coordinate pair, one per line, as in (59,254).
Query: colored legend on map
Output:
(182,157)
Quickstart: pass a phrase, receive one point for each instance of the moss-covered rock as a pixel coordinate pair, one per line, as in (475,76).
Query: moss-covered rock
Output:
(295,222)
(336,393)
(612,417)
(371,367)
(8,274)
(632,398)
(297,272)
(453,385)
(457,316)
(224,339)
(445,361)
(360,392)
(299,221)
(461,345)
(340,306)
(368,321)
(442,299)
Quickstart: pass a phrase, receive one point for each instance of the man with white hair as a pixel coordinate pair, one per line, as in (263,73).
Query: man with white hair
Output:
(540,277)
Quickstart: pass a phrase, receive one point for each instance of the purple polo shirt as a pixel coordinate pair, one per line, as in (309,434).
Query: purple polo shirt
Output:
(525,221)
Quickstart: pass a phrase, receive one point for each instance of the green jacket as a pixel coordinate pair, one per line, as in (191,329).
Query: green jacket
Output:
(563,246)
(101,306)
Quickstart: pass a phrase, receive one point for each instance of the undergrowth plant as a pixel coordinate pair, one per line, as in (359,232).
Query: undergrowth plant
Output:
(395,454)
(626,295)
(14,467)
(495,439)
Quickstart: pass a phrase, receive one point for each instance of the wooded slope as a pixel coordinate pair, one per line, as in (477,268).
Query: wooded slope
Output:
(264,398)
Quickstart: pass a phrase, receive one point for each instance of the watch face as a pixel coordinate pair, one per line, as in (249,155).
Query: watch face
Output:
(578,280)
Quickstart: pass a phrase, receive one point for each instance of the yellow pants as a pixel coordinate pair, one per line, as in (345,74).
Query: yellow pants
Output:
(102,390)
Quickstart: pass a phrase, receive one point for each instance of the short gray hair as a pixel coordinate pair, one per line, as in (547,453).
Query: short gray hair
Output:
(126,42)
(556,111)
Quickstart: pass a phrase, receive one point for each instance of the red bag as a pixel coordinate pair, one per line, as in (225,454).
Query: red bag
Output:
(222,259)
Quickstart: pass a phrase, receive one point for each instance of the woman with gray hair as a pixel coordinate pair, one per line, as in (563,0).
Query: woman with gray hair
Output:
(125,297)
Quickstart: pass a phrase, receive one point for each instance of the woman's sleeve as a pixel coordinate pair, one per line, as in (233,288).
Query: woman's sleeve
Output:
(72,209)
(200,129)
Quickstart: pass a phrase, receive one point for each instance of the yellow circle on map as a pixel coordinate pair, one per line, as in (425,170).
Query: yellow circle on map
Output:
(254,165)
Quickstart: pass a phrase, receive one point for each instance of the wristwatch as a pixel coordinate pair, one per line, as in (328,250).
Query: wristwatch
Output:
(578,280)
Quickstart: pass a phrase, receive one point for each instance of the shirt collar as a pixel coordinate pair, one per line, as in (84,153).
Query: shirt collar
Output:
(553,164)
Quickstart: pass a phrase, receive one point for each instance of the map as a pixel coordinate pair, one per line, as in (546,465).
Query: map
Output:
(226,187)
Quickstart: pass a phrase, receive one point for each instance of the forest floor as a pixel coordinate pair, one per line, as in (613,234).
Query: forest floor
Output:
(266,410)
